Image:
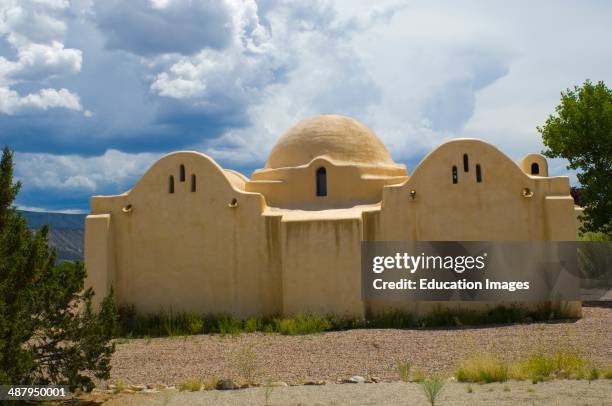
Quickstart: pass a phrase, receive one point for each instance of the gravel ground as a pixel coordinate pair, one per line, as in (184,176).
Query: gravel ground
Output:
(335,355)
(511,393)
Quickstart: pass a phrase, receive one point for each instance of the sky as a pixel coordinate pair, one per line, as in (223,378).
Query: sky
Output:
(93,92)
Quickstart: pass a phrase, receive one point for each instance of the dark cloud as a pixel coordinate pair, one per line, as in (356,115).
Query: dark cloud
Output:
(183,27)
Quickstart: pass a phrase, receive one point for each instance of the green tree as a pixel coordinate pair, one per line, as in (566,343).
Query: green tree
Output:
(49,332)
(581,132)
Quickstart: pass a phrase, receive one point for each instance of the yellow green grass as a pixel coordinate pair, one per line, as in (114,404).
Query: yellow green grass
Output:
(537,366)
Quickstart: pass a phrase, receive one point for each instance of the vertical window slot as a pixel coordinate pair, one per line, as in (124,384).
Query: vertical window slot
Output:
(321,182)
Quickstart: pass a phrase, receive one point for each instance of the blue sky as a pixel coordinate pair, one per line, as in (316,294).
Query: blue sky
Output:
(93,92)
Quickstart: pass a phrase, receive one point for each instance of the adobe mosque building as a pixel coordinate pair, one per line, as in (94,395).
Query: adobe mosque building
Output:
(192,236)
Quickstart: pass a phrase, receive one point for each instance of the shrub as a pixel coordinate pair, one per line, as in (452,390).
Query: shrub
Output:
(174,324)
(229,325)
(252,325)
(418,376)
(191,385)
(210,383)
(433,386)
(245,363)
(49,332)
(482,369)
(562,364)
(303,324)
(538,366)
(404,370)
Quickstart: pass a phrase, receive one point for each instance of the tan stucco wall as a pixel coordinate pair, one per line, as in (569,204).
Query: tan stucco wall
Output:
(99,255)
(190,251)
(322,266)
(282,249)
(347,185)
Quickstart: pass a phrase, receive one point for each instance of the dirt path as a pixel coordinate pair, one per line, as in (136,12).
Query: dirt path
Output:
(511,393)
(334,355)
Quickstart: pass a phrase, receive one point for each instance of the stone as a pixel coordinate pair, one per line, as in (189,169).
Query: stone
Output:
(278,384)
(227,384)
(137,388)
(375,379)
(357,379)
(314,383)
(150,390)
(128,390)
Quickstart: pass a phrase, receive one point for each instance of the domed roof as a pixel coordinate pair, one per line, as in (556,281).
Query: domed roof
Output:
(339,138)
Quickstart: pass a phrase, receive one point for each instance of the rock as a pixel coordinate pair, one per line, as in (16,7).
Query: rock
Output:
(314,383)
(112,386)
(227,384)
(357,379)
(148,390)
(375,379)
(137,388)
(128,390)
(278,384)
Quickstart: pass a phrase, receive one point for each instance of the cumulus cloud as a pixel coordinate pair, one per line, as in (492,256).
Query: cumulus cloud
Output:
(74,172)
(67,181)
(11,102)
(32,28)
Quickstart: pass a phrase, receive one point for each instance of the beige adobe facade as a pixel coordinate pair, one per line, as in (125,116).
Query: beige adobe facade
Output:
(192,236)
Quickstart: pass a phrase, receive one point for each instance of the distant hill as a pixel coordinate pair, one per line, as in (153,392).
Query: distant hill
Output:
(67,232)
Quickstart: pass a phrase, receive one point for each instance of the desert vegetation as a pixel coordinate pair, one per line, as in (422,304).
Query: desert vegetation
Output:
(169,324)
(537,366)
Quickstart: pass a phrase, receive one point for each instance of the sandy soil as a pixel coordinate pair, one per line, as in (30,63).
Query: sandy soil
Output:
(511,393)
(335,355)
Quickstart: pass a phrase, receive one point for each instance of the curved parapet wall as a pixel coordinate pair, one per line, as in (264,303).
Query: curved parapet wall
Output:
(467,189)
(186,238)
(534,165)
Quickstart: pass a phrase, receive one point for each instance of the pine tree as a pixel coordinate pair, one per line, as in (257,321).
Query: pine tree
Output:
(49,332)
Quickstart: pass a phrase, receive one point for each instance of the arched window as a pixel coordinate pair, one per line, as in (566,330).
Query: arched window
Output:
(535,168)
(321,182)
(466,163)
(478,173)
(193,183)
(171,184)
(455,176)
(182,173)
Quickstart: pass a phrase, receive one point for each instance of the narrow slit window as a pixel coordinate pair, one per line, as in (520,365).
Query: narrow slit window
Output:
(466,163)
(321,182)
(182,173)
(455,176)
(171,184)
(478,173)
(535,168)
(193,183)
